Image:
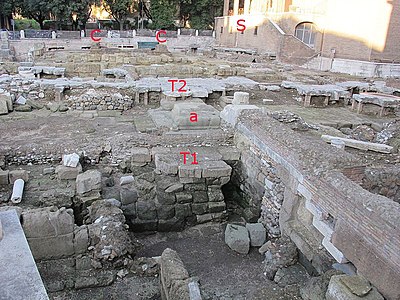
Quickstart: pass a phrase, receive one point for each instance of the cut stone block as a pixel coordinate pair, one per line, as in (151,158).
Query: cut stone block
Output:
(216,206)
(216,169)
(140,155)
(344,287)
(3,107)
(71,160)
(240,98)
(4,177)
(190,171)
(67,173)
(231,113)
(88,181)
(128,195)
(126,180)
(167,164)
(207,116)
(237,238)
(257,233)
(18,174)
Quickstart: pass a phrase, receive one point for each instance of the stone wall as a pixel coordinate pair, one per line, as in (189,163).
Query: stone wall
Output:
(322,207)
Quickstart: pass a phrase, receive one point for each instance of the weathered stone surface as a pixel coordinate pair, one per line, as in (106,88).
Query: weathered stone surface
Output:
(126,180)
(315,287)
(18,174)
(237,238)
(207,116)
(183,197)
(240,98)
(4,177)
(216,169)
(178,187)
(231,113)
(183,211)
(128,195)
(23,108)
(71,160)
(257,233)
(3,107)
(199,208)
(146,210)
(81,239)
(344,287)
(88,181)
(140,155)
(216,206)
(65,173)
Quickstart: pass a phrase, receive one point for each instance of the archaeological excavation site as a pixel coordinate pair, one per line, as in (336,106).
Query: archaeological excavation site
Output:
(185,170)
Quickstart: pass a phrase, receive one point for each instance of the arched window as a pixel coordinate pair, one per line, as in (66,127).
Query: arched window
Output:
(305,32)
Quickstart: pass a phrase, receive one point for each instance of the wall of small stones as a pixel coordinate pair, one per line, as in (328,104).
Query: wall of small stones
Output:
(383,181)
(261,190)
(96,100)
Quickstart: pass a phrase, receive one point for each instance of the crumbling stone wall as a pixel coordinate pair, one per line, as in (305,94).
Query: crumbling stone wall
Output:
(353,223)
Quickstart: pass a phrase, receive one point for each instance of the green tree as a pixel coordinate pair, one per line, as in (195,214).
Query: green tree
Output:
(39,10)
(164,13)
(119,10)
(200,14)
(77,12)
(6,10)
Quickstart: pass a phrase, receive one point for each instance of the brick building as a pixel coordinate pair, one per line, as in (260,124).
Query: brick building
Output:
(299,30)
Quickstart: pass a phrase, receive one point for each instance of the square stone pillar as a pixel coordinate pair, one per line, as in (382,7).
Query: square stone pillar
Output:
(235,7)
(226,7)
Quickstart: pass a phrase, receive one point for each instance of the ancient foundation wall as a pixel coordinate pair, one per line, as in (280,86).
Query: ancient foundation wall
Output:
(322,206)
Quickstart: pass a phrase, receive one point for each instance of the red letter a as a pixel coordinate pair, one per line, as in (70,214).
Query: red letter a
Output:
(193,117)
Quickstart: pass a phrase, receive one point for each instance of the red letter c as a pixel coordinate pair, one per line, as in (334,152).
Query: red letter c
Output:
(158,36)
(92,35)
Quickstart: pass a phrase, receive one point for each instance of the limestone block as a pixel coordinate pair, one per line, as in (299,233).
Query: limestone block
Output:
(208,116)
(165,212)
(167,164)
(140,155)
(88,181)
(344,287)
(215,194)
(210,217)
(231,113)
(21,100)
(216,169)
(65,173)
(3,107)
(237,238)
(229,153)
(52,247)
(4,177)
(216,206)
(178,187)
(18,174)
(81,239)
(183,197)
(128,195)
(190,171)
(146,210)
(183,211)
(200,197)
(71,160)
(126,180)
(199,208)
(257,234)
(47,222)
(240,98)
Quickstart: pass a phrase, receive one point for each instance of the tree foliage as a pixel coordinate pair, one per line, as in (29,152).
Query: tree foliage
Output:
(39,10)
(119,10)
(200,14)
(163,13)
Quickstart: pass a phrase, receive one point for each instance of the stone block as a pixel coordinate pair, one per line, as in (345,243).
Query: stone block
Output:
(67,173)
(216,206)
(129,210)
(128,195)
(146,210)
(47,222)
(81,239)
(231,113)
(18,174)
(207,116)
(210,217)
(344,287)
(4,177)
(199,208)
(165,212)
(185,180)
(126,180)
(237,238)
(257,233)
(140,155)
(195,187)
(143,225)
(52,247)
(183,211)
(229,153)
(183,197)
(173,224)
(240,98)
(200,197)
(88,181)
(3,107)
(166,164)
(178,187)
(215,194)
(216,169)
(165,198)
(70,160)
(189,171)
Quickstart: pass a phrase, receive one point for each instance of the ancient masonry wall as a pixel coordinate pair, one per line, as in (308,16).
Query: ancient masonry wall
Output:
(353,224)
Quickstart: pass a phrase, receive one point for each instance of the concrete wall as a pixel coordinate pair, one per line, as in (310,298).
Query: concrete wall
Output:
(323,207)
